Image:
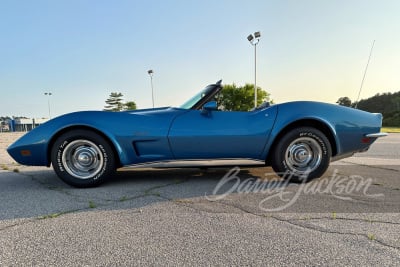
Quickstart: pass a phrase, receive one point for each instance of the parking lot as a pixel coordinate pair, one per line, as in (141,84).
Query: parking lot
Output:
(177,217)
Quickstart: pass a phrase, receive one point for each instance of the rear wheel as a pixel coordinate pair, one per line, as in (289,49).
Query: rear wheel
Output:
(82,158)
(302,154)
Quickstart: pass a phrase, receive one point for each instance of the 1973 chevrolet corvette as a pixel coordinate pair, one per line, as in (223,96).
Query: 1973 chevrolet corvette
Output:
(300,138)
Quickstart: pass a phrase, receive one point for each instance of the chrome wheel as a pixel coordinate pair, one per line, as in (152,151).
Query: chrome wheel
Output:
(303,155)
(82,159)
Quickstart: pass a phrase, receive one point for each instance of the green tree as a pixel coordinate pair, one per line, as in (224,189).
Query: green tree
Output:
(236,98)
(114,102)
(344,101)
(396,103)
(387,103)
(130,105)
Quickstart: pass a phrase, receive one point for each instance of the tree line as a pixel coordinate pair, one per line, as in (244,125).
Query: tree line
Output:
(387,103)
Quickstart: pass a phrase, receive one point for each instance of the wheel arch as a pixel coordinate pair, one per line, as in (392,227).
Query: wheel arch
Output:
(82,127)
(322,126)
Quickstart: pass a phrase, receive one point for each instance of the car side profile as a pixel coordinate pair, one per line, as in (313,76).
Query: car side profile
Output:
(300,138)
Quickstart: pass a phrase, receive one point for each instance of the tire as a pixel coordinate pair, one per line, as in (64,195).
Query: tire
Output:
(82,158)
(301,155)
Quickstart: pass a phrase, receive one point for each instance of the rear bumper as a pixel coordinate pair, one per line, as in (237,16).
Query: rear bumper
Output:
(376,135)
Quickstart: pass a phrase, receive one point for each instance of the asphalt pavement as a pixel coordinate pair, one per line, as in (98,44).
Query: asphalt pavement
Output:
(193,217)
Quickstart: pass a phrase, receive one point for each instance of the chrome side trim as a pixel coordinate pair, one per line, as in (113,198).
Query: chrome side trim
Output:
(376,135)
(198,163)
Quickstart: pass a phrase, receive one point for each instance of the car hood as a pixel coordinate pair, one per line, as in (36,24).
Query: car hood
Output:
(116,126)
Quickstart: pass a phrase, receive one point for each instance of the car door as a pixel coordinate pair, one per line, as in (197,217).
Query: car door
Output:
(221,134)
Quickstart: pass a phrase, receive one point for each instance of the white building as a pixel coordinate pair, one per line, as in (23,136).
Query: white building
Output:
(25,125)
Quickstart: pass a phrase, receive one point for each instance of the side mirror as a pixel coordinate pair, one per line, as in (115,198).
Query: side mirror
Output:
(209,106)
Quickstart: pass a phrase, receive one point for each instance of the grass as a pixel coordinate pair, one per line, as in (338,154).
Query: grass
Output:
(390,129)
(92,205)
(183,201)
(371,237)
(51,216)
(124,198)
(4,167)
(157,194)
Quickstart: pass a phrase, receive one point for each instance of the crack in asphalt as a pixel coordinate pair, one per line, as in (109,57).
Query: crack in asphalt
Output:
(365,220)
(328,231)
(27,221)
(371,166)
(82,198)
(296,222)
(320,229)
(376,184)
(146,193)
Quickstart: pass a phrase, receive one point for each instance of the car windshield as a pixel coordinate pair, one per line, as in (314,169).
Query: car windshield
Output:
(195,99)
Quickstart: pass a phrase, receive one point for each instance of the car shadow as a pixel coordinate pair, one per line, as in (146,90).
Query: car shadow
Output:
(39,193)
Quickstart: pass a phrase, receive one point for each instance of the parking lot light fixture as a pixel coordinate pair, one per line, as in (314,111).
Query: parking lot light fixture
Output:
(151,73)
(254,39)
(48,94)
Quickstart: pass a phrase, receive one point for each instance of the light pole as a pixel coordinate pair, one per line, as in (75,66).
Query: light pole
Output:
(254,39)
(151,72)
(48,102)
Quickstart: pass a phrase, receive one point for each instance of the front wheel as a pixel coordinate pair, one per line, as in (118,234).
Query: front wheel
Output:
(82,158)
(302,154)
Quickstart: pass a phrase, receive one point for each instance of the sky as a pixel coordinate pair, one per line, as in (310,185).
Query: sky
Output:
(82,50)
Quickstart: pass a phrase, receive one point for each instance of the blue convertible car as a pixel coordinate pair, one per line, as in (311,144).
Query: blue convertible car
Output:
(300,138)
